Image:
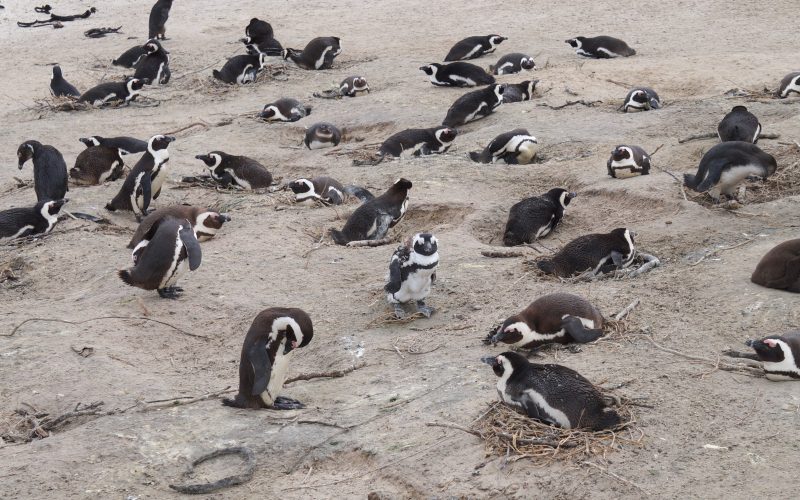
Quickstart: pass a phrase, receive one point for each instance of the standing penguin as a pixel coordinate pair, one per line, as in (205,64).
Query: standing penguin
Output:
(515,147)
(780,268)
(513,63)
(536,217)
(780,356)
(642,99)
(154,66)
(789,84)
(96,165)
(49,170)
(457,74)
(319,53)
(412,271)
(205,222)
(372,220)
(322,135)
(552,394)
(241,69)
(21,222)
(600,47)
(418,141)
(123,145)
(726,165)
(145,179)
(60,87)
(633,158)
(268,347)
(518,92)
(241,171)
(353,86)
(158,19)
(473,47)
(739,125)
(597,252)
(171,244)
(113,91)
(474,105)
(130,57)
(284,110)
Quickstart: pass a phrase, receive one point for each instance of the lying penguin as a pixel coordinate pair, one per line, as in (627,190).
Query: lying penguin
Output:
(779,355)
(457,74)
(473,47)
(418,142)
(60,87)
(517,147)
(641,99)
(600,47)
(322,135)
(327,190)
(284,110)
(29,221)
(412,271)
(318,54)
(789,84)
(518,92)
(123,145)
(96,165)
(205,222)
(474,105)
(511,64)
(237,171)
(108,92)
(599,253)
(726,165)
(372,220)
(632,158)
(536,217)
(241,69)
(780,268)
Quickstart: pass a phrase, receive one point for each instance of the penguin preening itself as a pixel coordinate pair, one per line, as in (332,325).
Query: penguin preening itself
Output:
(632,158)
(474,105)
(327,190)
(418,141)
(642,99)
(536,217)
(322,135)
(555,318)
(241,69)
(599,252)
(284,110)
(239,171)
(600,47)
(412,271)
(789,84)
(739,125)
(457,74)
(59,87)
(518,92)
(27,221)
(780,355)
(130,57)
(474,46)
(49,170)
(96,165)
(268,347)
(515,147)
(372,220)
(124,145)
(171,244)
(552,394)
(512,63)
(726,165)
(205,222)
(113,91)
(319,53)
(353,86)
(780,268)
(145,179)
(154,66)
(260,38)
(158,19)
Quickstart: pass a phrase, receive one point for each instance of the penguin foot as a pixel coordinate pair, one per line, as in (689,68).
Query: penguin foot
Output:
(170,292)
(399,312)
(284,403)
(425,309)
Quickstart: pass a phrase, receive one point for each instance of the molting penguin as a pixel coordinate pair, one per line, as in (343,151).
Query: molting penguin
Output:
(113,91)
(130,57)
(322,135)
(474,46)
(158,19)
(457,74)
(515,147)
(412,271)
(268,347)
(536,217)
(642,99)
(60,87)
(597,252)
(739,125)
(96,165)
(727,164)
(632,158)
(145,179)
(780,268)
(780,355)
(418,141)
(284,110)
(205,222)
(327,190)
(319,53)
(555,318)
(600,47)
(474,105)
(789,84)
(241,171)
(518,92)
(372,220)
(49,170)
(553,394)
(21,222)
(513,63)
(124,145)
(154,66)
(241,69)
(353,86)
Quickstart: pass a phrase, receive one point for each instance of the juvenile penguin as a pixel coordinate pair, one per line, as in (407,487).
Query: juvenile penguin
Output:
(789,84)
(642,99)
(49,170)
(59,87)
(319,53)
(600,47)
(555,318)
(536,217)
(327,190)
(124,145)
(284,110)
(597,252)
(27,221)
(632,158)
(158,19)
(145,179)
(418,141)
(113,91)
(240,171)
(512,63)
(268,347)
(171,245)
(473,47)
(241,69)
(474,105)
(154,66)
(739,125)
(780,268)
(780,355)
(205,222)
(552,394)
(412,271)
(353,86)
(130,57)
(726,165)
(322,135)
(518,92)
(457,74)
(372,220)
(515,147)
(96,165)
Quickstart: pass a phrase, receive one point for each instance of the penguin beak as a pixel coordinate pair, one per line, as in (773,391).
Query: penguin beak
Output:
(224,218)
(750,343)
(489,360)
(498,337)
(202,158)
(572,195)
(169,138)
(290,346)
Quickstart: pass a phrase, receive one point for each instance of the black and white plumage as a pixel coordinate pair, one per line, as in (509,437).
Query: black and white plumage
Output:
(239,171)
(327,190)
(628,157)
(241,69)
(322,135)
(372,220)
(641,99)
(96,165)
(513,63)
(145,179)
(50,180)
(205,223)
(319,53)
(130,57)
(536,217)
(457,74)
(154,66)
(600,47)
(474,105)
(739,125)
(284,110)
(790,83)
(124,145)
(598,253)
(158,19)
(518,92)
(260,38)
(113,91)
(726,165)
(779,355)
(473,47)
(550,393)
(27,221)
(60,87)
(412,271)
(515,147)
(418,141)
(353,86)
(780,268)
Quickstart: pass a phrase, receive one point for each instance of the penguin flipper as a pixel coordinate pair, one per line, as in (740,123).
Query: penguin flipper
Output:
(395,278)
(146,185)
(262,367)
(191,245)
(578,331)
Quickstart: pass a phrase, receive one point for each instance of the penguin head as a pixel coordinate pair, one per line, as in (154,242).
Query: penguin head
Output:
(620,153)
(211,220)
(772,349)
(269,112)
(498,90)
(506,363)
(298,331)
(135,84)
(445,134)
(159,142)
(287,53)
(576,42)
(430,69)
(641,97)
(561,196)
(527,63)
(513,330)
(735,109)
(25,152)
(57,72)
(51,207)
(360,84)
(91,141)
(212,159)
(325,130)
(425,244)
(495,40)
(301,186)
(626,234)
(402,183)
(152,46)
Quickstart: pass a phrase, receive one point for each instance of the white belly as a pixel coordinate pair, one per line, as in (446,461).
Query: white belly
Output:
(315,144)
(733,176)
(416,287)
(280,370)
(458,78)
(627,162)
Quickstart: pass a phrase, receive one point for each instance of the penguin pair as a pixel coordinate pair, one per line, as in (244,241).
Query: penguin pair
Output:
(726,165)
(260,38)
(96,165)
(154,66)
(598,253)
(790,83)
(284,110)
(515,147)
(473,47)
(29,221)
(457,74)
(739,125)
(241,69)
(125,91)
(511,64)
(322,135)
(205,222)
(49,169)
(536,217)
(372,220)
(319,53)
(632,158)
(157,23)
(237,171)
(145,179)
(123,145)
(641,99)
(418,141)
(327,190)
(474,105)
(518,92)
(412,272)
(780,268)
(600,47)
(60,87)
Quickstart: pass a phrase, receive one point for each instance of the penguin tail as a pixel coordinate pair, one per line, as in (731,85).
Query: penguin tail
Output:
(339,238)
(110,207)
(237,402)
(546,266)
(359,192)
(479,157)
(125,276)
(690,180)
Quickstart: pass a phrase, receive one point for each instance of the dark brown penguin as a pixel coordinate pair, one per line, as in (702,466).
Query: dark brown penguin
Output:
(597,252)
(96,165)
(372,220)
(780,268)
(205,222)
(240,171)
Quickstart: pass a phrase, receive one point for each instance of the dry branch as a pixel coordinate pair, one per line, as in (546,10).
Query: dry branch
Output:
(134,318)
(582,102)
(332,374)
(732,367)
(369,243)
(501,255)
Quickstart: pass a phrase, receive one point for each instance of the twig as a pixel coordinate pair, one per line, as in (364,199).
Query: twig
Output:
(187,127)
(572,103)
(203,488)
(697,137)
(454,426)
(617,477)
(370,243)
(501,255)
(333,374)
(722,366)
(134,318)
(656,150)
(630,307)
(717,250)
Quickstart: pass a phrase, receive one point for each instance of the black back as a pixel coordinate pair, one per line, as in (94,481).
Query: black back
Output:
(724,156)
(130,57)
(158,18)
(531,214)
(485,99)
(60,87)
(587,252)
(49,171)
(14,219)
(739,125)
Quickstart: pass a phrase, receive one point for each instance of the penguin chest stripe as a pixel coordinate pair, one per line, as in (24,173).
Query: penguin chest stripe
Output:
(787,367)
(473,51)
(627,162)
(23,229)
(480,108)
(458,78)
(280,370)
(171,276)
(606,52)
(555,414)
(240,181)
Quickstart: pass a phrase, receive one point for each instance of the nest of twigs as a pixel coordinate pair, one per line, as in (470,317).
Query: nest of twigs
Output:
(642,263)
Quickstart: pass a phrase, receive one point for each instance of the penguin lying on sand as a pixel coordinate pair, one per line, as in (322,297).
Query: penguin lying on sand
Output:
(205,222)
(518,92)
(632,158)
(739,125)
(412,271)
(59,87)
(27,221)
(49,169)
(789,84)
(600,47)
(327,190)
(418,141)
(145,179)
(319,53)
(513,63)
(284,110)
(372,220)
(515,147)
(241,69)
(599,253)
(780,268)
(239,171)
(353,86)
(457,74)
(474,105)
(474,46)
(113,91)
(536,217)
(726,165)
(322,135)
(779,355)
(96,165)
(642,99)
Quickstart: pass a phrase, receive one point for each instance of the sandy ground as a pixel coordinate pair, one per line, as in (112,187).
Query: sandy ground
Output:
(690,52)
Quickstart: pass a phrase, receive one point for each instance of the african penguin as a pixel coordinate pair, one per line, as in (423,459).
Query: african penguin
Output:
(154,66)
(473,47)
(322,135)
(418,141)
(739,125)
(457,74)
(21,222)
(326,189)
(284,110)
(474,105)
(49,170)
(171,244)
(600,47)
(268,347)
(789,84)
(780,355)
(124,145)
(642,99)
(205,222)
(780,268)
(158,19)
(130,57)
(260,38)
(515,147)
(239,171)
(726,165)
(412,271)
(518,92)
(555,318)
(353,86)
(513,63)
(145,179)
(597,252)
(317,54)
(632,158)
(96,165)
(372,220)
(113,91)
(552,394)
(241,69)
(59,87)
(536,217)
